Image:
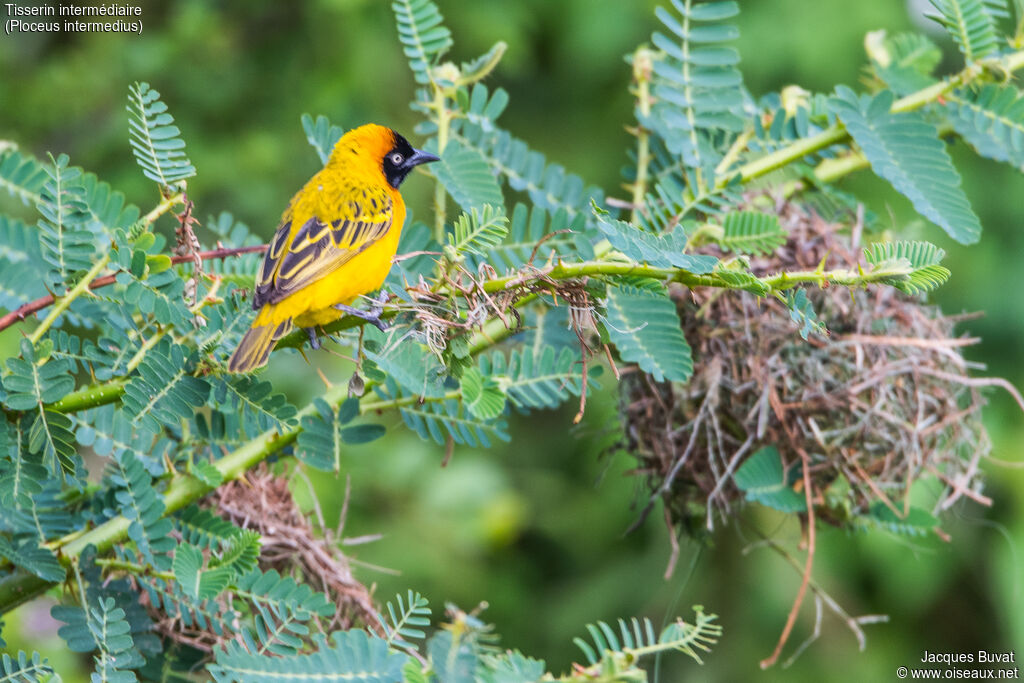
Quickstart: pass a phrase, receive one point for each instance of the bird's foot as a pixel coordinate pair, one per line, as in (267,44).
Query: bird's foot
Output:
(371,316)
(314,341)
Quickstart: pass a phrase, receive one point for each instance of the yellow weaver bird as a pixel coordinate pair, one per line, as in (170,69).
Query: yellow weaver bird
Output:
(336,241)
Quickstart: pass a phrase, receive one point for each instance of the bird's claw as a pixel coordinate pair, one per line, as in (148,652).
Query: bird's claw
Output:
(371,316)
(314,341)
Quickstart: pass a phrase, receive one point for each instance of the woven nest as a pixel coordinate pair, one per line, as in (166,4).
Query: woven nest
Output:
(881,401)
(292,546)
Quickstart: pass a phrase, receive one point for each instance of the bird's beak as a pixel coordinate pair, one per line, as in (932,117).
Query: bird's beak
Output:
(420,157)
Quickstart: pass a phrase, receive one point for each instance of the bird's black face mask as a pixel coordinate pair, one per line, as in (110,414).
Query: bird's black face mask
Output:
(403,158)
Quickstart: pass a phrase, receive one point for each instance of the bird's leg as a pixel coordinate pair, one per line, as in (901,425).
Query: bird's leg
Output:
(314,341)
(373,315)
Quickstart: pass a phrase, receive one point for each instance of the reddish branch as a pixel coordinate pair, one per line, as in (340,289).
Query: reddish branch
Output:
(34,306)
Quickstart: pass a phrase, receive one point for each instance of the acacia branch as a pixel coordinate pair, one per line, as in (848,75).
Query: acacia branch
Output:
(495,330)
(39,304)
(836,133)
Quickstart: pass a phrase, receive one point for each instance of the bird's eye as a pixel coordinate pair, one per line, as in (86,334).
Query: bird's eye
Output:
(397,159)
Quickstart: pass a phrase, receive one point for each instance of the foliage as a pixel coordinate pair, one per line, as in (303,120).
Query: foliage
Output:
(127,359)
(458,652)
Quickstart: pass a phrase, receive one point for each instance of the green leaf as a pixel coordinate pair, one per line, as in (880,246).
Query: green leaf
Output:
(452,660)
(205,615)
(482,395)
(991,119)
(19,243)
(905,62)
(698,89)
(645,328)
(915,265)
(512,667)
(916,522)
(241,556)
(24,668)
(20,283)
(320,444)
(322,135)
(67,245)
(202,528)
(107,210)
(904,149)
(143,506)
(194,580)
(761,477)
(256,403)
(352,656)
(542,380)
(164,392)
(108,620)
(282,596)
(437,420)
(479,107)
(970,24)
(406,621)
(21,474)
(36,559)
(408,363)
(424,38)
(466,175)
(117,648)
(51,436)
(22,176)
(688,638)
(736,276)
(475,233)
(208,473)
(752,232)
(478,69)
(658,251)
(155,141)
(33,380)
(802,313)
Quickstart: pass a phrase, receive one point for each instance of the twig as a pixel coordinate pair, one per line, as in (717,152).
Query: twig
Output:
(39,304)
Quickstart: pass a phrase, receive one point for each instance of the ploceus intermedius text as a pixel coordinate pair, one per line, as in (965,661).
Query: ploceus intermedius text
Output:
(336,242)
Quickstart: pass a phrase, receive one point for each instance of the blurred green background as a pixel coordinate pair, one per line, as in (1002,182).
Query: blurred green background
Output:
(536,528)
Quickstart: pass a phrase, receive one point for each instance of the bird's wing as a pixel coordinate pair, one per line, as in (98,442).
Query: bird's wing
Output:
(317,248)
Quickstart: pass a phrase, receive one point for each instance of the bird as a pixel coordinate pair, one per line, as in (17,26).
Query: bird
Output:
(335,242)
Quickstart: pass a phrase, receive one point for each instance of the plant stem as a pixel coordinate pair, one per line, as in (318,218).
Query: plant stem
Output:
(643,64)
(90,397)
(444,118)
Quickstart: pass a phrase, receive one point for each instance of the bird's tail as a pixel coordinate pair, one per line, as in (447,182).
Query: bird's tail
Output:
(253,350)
